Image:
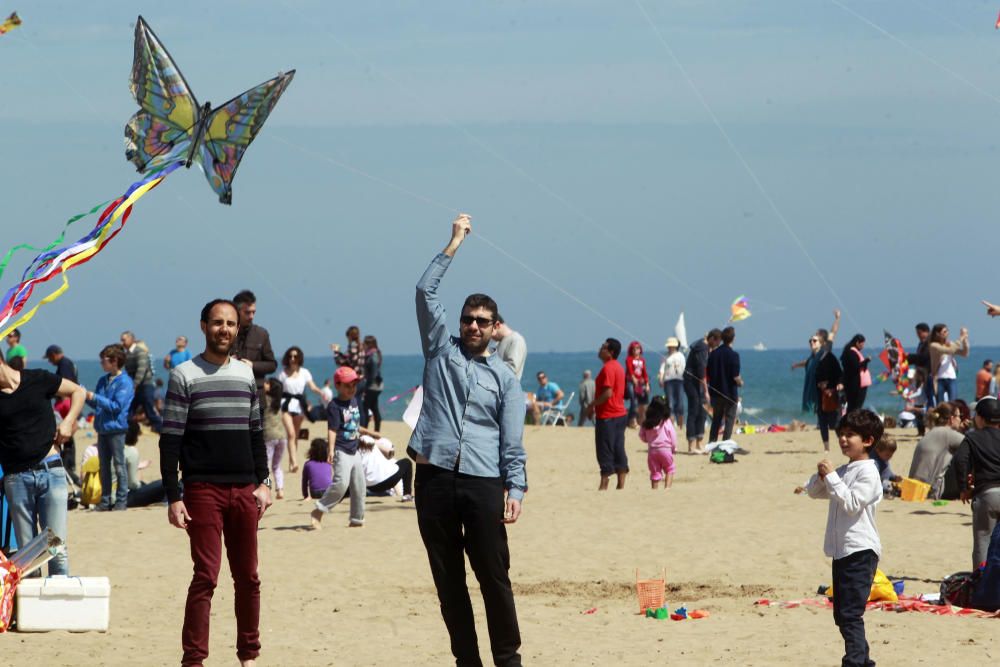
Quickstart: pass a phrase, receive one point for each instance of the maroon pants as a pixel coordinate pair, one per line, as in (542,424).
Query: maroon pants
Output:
(218,510)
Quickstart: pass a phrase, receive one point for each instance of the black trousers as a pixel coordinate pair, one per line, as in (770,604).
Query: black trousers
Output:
(609,440)
(723,409)
(405,473)
(370,400)
(68,456)
(852,584)
(456,513)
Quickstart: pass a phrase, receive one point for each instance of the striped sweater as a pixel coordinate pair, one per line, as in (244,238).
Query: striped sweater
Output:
(211,426)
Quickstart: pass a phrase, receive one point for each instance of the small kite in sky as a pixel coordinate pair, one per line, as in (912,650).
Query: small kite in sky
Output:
(997,25)
(740,310)
(171,122)
(10,23)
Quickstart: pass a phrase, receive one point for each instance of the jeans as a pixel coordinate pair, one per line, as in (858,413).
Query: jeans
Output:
(694,390)
(852,584)
(674,391)
(456,513)
(228,510)
(145,396)
(37,500)
(348,472)
(947,389)
(609,439)
(723,409)
(111,449)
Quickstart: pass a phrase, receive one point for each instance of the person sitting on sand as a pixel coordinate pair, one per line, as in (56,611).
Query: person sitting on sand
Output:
(317,473)
(934,452)
(881,454)
(382,473)
(344,430)
(657,431)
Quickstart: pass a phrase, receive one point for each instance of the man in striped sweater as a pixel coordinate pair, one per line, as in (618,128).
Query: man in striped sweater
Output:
(212,429)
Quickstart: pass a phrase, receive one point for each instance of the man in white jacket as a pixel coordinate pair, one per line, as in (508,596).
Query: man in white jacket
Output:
(851,536)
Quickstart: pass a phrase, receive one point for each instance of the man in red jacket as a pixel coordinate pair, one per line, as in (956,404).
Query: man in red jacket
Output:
(611,417)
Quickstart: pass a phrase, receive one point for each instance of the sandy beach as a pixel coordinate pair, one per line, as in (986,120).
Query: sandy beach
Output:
(726,534)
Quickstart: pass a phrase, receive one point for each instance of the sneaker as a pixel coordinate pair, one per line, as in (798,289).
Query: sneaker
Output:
(406,498)
(121,507)
(102,507)
(356,524)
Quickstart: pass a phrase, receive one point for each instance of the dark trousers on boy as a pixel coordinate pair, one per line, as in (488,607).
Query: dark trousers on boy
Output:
(459,514)
(218,510)
(852,584)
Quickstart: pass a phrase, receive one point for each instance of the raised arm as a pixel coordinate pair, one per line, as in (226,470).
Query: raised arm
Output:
(431,315)
(835,327)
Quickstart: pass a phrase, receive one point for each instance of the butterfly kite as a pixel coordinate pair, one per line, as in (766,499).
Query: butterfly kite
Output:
(171,122)
(740,310)
(10,23)
(169,131)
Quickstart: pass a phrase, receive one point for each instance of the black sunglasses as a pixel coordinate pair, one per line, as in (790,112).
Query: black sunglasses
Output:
(482,322)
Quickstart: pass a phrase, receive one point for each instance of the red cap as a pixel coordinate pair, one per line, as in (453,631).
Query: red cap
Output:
(345,375)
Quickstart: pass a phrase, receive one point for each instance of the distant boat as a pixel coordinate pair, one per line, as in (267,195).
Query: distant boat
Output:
(759,347)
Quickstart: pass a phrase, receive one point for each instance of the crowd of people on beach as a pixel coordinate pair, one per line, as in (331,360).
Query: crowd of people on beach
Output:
(228,417)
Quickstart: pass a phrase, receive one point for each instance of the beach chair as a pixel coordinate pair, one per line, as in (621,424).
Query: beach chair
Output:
(557,412)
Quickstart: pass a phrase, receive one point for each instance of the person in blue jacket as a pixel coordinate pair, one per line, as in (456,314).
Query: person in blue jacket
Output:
(111,401)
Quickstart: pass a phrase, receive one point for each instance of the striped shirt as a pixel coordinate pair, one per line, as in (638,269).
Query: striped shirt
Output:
(211,426)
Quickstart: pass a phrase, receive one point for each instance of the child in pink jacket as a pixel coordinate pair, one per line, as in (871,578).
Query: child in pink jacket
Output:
(658,433)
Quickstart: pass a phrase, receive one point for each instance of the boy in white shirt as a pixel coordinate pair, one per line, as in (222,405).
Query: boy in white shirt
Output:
(851,536)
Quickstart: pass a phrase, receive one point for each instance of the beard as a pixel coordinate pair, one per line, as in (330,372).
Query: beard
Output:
(221,347)
(475,346)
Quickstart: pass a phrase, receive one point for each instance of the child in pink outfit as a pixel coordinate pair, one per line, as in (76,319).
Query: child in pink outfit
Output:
(658,433)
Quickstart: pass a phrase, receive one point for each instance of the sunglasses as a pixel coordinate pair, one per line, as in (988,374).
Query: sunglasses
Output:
(481,322)
(814,340)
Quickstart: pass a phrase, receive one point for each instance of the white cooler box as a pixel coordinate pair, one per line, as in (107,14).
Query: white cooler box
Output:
(77,604)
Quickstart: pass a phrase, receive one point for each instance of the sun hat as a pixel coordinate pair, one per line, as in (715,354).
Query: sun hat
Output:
(673,342)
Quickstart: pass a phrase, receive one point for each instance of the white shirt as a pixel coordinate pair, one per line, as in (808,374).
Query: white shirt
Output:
(378,468)
(295,384)
(946,371)
(672,367)
(854,490)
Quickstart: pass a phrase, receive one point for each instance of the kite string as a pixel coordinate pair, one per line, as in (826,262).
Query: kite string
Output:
(921,54)
(523,173)
(743,161)
(495,246)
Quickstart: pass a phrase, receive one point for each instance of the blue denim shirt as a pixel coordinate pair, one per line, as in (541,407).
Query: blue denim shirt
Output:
(473,411)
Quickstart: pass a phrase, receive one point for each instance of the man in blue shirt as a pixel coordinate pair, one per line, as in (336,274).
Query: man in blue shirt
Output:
(469,455)
(547,395)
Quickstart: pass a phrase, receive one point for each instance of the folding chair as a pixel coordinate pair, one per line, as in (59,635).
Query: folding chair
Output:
(557,412)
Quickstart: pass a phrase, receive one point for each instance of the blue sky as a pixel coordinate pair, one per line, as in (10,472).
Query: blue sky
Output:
(567,132)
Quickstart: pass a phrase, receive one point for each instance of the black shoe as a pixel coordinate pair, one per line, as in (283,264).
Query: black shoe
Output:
(102,507)
(121,507)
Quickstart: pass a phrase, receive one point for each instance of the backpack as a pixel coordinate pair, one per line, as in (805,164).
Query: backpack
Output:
(957,588)
(719,456)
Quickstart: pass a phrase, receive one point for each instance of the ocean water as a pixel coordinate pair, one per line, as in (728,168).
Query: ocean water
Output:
(772,392)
